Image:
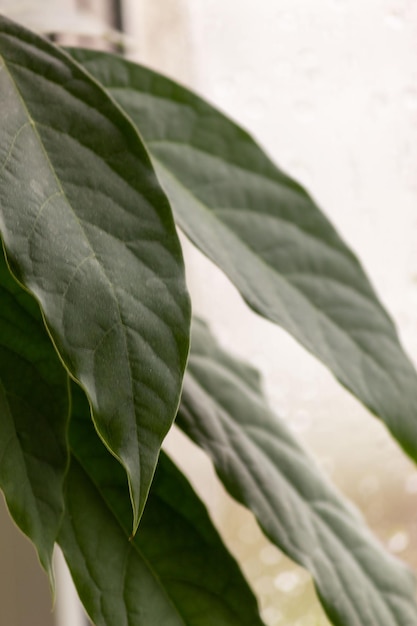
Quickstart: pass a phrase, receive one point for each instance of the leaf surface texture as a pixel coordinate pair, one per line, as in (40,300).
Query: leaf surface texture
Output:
(269,237)
(34,410)
(88,230)
(175,571)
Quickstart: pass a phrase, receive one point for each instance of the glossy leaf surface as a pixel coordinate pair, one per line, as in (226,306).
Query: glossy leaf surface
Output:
(261,464)
(34,407)
(175,572)
(89,232)
(266,233)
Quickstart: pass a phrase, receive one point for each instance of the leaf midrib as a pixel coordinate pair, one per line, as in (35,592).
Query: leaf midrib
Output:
(320,312)
(269,179)
(38,77)
(32,123)
(133,544)
(292,185)
(274,183)
(369,356)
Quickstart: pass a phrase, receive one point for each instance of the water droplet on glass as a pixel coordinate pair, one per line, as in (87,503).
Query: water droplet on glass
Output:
(379,103)
(304,111)
(411,483)
(308,64)
(410,99)
(287,21)
(286,581)
(369,486)
(278,401)
(271,616)
(394,19)
(281,409)
(398,542)
(270,555)
(282,69)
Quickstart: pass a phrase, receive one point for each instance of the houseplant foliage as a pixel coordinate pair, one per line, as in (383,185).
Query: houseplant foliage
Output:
(99,158)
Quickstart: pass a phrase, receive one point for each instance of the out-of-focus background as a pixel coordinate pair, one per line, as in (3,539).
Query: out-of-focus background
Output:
(329,88)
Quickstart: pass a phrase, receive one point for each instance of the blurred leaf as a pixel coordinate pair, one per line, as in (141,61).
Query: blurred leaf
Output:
(262,465)
(33,419)
(175,572)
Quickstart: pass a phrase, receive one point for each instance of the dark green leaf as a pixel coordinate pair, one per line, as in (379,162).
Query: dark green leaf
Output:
(263,467)
(265,232)
(175,572)
(89,232)
(33,418)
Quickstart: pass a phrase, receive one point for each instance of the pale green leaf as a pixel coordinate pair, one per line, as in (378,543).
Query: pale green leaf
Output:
(89,232)
(33,418)
(175,572)
(266,233)
(261,464)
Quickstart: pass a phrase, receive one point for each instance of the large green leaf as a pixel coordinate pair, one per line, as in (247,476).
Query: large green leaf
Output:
(263,467)
(175,572)
(265,232)
(89,232)
(33,418)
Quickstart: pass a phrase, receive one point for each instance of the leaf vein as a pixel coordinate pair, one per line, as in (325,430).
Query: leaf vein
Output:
(13,142)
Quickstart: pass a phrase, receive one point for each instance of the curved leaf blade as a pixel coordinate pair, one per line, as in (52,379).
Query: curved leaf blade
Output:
(34,409)
(268,236)
(175,571)
(263,466)
(89,232)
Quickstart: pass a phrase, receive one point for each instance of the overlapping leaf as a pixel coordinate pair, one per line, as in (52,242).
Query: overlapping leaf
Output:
(33,418)
(263,467)
(89,232)
(175,571)
(265,232)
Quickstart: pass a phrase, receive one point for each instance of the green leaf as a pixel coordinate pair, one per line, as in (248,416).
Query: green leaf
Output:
(175,572)
(266,233)
(88,230)
(263,467)
(34,412)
